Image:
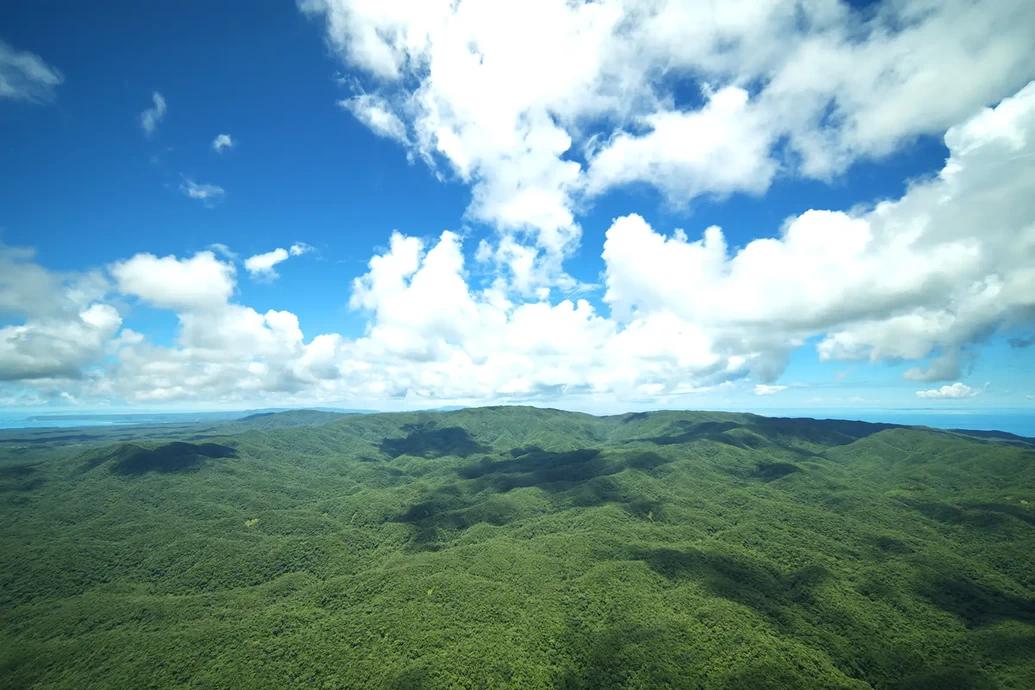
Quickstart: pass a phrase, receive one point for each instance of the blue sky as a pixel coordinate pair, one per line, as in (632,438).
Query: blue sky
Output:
(574,181)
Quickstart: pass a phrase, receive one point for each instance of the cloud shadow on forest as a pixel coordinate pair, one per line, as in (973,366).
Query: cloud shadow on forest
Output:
(177,456)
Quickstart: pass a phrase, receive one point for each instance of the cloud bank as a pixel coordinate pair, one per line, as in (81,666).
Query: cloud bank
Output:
(777,89)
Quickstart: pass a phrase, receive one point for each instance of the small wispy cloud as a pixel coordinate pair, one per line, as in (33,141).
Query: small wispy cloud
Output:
(24,76)
(150,118)
(762,389)
(220,248)
(223,141)
(209,194)
(955,391)
(376,113)
(260,266)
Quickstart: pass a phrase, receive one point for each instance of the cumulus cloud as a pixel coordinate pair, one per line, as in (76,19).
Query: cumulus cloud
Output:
(223,141)
(56,348)
(922,279)
(151,117)
(62,325)
(24,76)
(917,278)
(195,284)
(955,391)
(803,89)
(300,248)
(208,194)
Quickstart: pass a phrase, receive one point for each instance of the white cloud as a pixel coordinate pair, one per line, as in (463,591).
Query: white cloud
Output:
(923,278)
(150,118)
(722,148)
(261,266)
(56,348)
(24,76)
(223,250)
(209,194)
(937,270)
(762,389)
(62,323)
(1029,397)
(194,284)
(223,141)
(955,391)
(799,89)
(376,113)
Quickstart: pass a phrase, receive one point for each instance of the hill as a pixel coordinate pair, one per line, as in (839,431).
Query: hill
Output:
(515,547)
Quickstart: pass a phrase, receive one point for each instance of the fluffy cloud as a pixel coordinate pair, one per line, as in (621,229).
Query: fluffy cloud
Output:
(64,325)
(196,284)
(209,194)
(25,76)
(719,149)
(935,271)
(56,348)
(223,141)
(693,98)
(953,392)
(150,118)
(923,278)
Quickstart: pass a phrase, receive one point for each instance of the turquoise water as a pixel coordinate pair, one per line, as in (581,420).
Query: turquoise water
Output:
(19,422)
(1013,423)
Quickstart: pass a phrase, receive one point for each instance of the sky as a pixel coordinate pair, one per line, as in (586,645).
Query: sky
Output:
(608,206)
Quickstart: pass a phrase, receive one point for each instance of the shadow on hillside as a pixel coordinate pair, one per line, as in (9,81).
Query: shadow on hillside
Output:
(609,658)
(1001,437)
(23,477)
(760,587)
(790,602)
(554,471)
(426,441)
(985,515)
(769,432)
(177,456)
(976,603)
(578,478)
(50,438)
(437,517)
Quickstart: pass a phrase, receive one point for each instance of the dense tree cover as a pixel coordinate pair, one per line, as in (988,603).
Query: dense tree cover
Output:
(518,548)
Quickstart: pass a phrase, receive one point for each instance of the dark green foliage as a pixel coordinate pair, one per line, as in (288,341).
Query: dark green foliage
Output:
(517,548)
(176,456)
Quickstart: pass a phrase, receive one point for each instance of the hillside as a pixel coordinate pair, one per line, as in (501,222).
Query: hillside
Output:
(516,547)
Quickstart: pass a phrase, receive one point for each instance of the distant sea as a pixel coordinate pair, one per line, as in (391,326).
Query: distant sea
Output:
(1020,424)
(19,422)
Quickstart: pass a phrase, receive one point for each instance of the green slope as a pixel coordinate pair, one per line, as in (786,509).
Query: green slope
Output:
(522,548)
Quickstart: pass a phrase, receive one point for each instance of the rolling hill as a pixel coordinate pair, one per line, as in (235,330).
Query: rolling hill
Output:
(514,547)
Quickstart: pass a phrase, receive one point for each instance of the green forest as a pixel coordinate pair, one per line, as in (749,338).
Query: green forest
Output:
(515,547)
